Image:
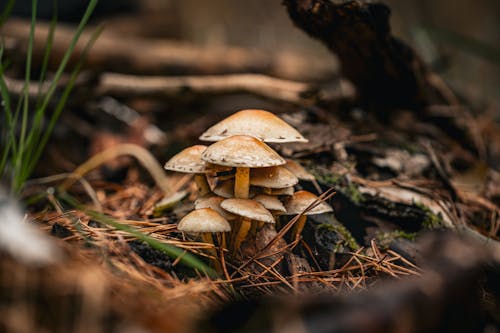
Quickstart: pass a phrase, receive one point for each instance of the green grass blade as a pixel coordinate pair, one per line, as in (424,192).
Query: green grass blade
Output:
(42,141)
(7,137)
(37,121)
(69,52)
(174,252)
(48,49)
(18,164)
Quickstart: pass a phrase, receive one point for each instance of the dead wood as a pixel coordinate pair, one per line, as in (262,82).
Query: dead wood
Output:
(386,72)
(171,87)
(147,56)
(121,85)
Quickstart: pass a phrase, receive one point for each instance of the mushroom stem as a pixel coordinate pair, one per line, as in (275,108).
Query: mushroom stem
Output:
(245,226)
(202,184)
(242,183)
(222,239)
(299,226)
(206,237)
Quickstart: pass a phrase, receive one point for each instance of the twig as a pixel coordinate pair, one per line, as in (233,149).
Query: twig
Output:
(122,85)
(142,155)
(168,87)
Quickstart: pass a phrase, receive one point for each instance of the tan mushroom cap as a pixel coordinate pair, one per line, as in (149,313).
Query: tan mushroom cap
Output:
(303,199)
(203,220)
(261,124)
(242,151)
(189,161)
(270,202)
(272,177)
(225,188)
(298,170)
(213,202)
(248,208)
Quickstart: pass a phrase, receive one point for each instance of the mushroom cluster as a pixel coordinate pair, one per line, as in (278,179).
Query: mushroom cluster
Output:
(243,183)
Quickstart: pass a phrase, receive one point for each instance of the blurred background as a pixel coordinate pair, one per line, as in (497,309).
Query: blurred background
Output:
(450,35)
(459,38)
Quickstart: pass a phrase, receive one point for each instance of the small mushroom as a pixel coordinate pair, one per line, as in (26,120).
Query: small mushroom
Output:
(242,152)
(189,161)
(260,124)
(249,210)
(205,221)
(272,178)
(225,188)
(299,171)
(213,202)
(271,203)
(297,203)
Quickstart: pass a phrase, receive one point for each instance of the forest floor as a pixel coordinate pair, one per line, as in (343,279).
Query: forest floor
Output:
(410,169)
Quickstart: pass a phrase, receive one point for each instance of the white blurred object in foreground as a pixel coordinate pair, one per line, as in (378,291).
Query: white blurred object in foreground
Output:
(20,239)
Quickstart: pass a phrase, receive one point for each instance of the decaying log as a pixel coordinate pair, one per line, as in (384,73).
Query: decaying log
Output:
(148,56)
(448,297)
(386,72)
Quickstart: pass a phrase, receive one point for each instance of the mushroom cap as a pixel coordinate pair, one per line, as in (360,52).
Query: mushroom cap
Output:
(272,177)
(225,188)
(248,208)
(270,202)
(203,220)
(189,161)
(261,124)
(242,151)
(300,200)
(213,202)
(298,170)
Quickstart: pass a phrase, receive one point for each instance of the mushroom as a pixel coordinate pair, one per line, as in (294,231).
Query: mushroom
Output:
(272,177)
(298,203)
(243,152)
(205,221)
(299,171)
(249,210)
(213,202)
(260,124)
(225,188)
(189,161)
(271,203)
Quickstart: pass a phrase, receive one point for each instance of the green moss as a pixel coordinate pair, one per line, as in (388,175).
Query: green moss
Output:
(354,194)
(384,239)
(431,220)
(344,234)
(340,183)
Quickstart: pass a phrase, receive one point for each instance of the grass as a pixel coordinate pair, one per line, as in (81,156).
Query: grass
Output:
(27,126)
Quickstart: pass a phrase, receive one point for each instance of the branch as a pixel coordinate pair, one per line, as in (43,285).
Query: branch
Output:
(171,87)
(386,72)
(121,85)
